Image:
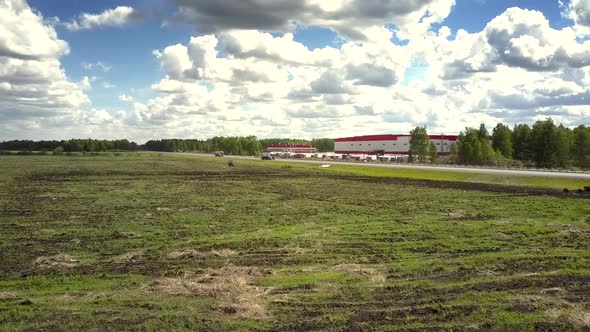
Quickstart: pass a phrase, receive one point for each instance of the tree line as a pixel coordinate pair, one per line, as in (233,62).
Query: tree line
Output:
(72,145)
(238,145)
(544,144)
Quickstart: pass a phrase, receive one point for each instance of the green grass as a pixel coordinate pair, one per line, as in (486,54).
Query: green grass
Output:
(426,174)
(307,248)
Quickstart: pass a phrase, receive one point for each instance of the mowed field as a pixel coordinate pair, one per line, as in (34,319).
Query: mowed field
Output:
(172,243)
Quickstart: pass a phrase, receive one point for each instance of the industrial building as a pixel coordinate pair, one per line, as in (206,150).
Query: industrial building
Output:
(290,148)
(394,145)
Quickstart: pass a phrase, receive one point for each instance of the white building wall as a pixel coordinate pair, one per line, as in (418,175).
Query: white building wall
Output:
(401,145)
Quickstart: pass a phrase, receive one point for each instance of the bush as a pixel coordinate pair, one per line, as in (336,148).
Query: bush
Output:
(58,151)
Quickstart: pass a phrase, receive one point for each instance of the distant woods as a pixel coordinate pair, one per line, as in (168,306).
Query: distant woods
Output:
(249,145)
(72,145)
(544,144)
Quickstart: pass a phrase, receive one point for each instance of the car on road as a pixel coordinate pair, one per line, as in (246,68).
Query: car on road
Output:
(267,158)
(218,153)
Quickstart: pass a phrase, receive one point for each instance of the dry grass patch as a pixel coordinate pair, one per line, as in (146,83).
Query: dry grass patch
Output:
(223,253)
(6,296)
(186,254)
(71,296)
(57,261)
(571,313)
(128,257)
(375,274)
(194,254)
(458,215)
(230,285)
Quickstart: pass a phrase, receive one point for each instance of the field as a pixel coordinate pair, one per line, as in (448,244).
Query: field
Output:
(160,242)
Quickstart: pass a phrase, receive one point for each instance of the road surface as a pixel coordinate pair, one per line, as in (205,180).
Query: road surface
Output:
(497,171)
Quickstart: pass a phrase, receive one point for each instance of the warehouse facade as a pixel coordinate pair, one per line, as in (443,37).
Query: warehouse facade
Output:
(388,144)
(290,148)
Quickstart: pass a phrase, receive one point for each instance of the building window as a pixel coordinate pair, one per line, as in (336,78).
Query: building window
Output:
(369,144)
(360,144)
(437,143)
(446,144)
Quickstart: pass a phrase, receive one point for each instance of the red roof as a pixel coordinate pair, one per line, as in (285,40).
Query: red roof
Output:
(369,138)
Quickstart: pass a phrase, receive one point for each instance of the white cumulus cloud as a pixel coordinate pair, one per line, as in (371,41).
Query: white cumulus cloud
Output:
(109,18)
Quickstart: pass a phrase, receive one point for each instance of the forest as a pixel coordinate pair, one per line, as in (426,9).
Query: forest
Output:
(544,144)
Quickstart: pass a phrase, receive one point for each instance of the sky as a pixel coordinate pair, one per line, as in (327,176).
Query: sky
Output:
(155,69)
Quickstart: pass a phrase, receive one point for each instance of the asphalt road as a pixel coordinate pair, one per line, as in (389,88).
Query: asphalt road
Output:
(553,174)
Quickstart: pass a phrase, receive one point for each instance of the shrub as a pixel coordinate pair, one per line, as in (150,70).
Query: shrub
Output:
(58,151)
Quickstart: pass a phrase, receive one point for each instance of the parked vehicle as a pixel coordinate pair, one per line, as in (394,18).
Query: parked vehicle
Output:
(218,153)
(267,158)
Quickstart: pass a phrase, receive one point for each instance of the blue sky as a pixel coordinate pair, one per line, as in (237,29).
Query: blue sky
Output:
(394,54)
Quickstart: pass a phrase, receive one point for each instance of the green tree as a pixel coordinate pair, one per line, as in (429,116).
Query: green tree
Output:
(433,153)
(454,153)
(419,144)
(323,144)
(482,133)
(550,144)
(521,142)
(581,147)
(502,140)
(473,147)
(469,147)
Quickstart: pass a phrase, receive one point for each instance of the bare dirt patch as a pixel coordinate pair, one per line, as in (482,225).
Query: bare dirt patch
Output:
(373,273)
(57,261)
(230,285)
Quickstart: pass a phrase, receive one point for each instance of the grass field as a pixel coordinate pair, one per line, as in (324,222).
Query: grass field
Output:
(442,175)
(160,242)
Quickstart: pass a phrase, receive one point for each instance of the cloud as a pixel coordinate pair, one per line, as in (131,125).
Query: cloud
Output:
(96,66)
(348,18)
(473,77)
(517,38)
(37,100)
(115,17)
(33,86)
(239,79)
(579,12)
(369,74)
(24,34)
